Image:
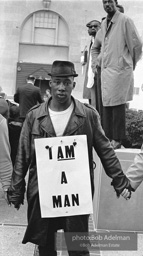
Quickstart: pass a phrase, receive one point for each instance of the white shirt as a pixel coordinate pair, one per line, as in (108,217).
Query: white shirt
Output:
(90,74)
(60,119)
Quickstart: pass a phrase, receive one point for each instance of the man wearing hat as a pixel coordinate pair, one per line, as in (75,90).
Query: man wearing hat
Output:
(89,89)
(27,96)
(61,115)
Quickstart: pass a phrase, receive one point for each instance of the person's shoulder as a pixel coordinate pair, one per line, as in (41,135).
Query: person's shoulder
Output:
(36,112)
(90,108)
(84,105)
(36,89)
(124,17)
(35,108)
(21,88)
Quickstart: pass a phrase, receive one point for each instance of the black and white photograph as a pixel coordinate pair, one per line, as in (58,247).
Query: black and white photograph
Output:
(71,128)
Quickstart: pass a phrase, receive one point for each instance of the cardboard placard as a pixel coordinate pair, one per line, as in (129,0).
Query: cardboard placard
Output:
(63,176)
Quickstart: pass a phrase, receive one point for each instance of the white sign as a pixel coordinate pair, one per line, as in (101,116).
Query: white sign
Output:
(63,176)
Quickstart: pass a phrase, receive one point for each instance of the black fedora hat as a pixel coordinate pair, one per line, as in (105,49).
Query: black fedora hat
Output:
(62,68)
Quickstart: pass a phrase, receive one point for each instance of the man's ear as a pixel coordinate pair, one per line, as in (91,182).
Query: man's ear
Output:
(74,84)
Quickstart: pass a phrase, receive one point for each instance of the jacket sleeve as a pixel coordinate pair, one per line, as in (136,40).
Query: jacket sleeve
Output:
(17,189)
(108,157)
(133,41)
(135,171)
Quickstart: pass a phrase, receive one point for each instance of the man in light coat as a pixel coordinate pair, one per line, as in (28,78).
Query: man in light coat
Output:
(120,52)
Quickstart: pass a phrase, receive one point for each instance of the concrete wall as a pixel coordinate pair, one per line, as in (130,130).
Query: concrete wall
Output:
(76,13)
(110,212)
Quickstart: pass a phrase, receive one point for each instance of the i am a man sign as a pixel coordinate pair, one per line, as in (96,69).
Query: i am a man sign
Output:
(63,176)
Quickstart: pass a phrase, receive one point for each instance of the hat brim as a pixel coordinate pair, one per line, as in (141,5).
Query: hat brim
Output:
(62,75)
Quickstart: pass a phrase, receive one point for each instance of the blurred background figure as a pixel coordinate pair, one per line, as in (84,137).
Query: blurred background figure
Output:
(14,127)
(47,95)
(5,159)
(27,96)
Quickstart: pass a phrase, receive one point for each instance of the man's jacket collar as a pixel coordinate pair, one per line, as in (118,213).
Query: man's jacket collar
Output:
(113,20)
(115,17)
(75,121)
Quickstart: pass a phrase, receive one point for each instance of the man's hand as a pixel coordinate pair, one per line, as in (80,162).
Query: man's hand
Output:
(126,194)
(16,196)
(17,206)
(6,197)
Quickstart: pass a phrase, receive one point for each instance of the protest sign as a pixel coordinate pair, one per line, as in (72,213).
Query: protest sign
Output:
(63,176)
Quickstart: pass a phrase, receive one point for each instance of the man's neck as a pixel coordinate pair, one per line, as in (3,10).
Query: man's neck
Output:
(110,15)
(56,106)
(109,18)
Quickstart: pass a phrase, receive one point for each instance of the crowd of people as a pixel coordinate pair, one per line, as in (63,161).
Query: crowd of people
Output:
(114,51)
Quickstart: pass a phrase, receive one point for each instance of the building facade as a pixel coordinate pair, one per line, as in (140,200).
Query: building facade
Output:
(34,33)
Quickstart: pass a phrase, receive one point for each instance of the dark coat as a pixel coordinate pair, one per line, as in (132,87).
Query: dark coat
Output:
(27,96)
(84,120)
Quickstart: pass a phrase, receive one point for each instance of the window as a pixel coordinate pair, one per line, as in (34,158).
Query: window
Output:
(45,27)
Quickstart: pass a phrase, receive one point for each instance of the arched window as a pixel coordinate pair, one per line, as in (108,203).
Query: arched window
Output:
(44,36)
(45,27)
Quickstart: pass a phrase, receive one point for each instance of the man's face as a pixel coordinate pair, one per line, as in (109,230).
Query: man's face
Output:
(93,28)
(61,89)
(109,6)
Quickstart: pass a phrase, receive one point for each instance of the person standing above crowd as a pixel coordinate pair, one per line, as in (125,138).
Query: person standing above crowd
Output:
(89,90)
(27,96)
(5,159)
(44,121)
(96,65)
(120,52)
(96,69)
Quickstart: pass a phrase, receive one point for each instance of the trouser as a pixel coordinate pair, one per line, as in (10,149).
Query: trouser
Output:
(93,97)
(68,224)
(99,105)
(114,122)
